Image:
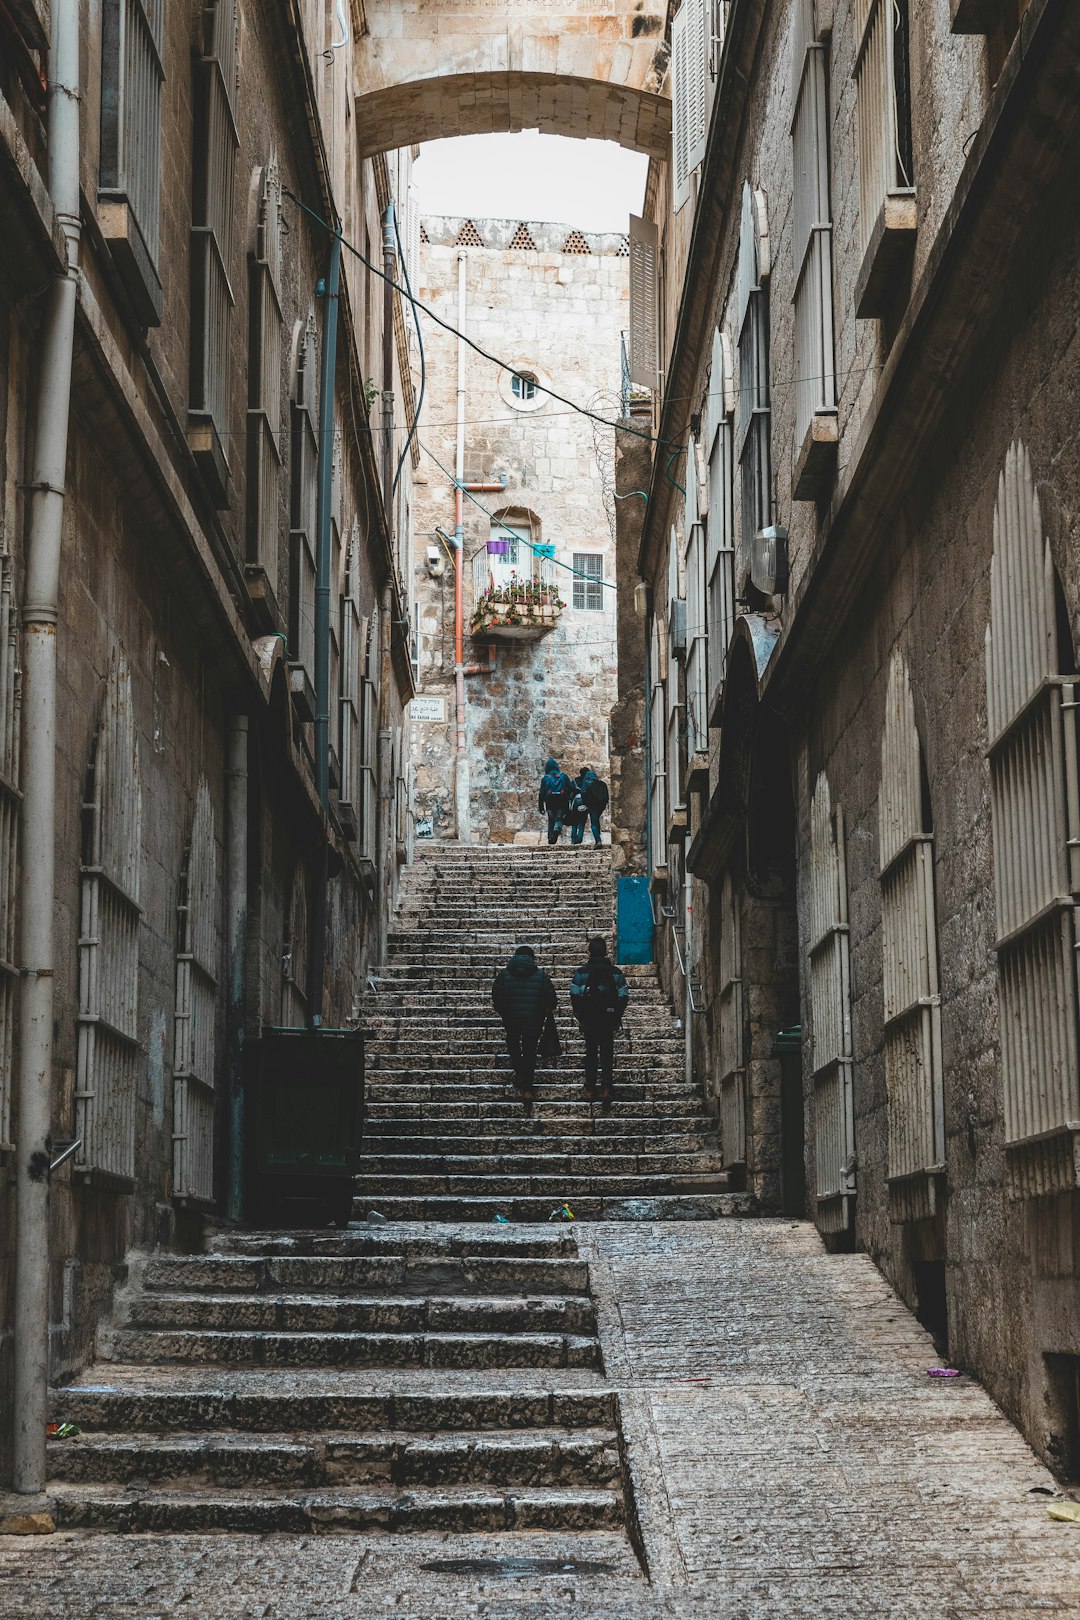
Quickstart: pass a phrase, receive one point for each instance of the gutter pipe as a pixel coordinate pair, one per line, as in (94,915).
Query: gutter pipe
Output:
(461,787)
(37,885)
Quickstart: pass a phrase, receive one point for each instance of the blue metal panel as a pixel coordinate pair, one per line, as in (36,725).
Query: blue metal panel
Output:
(634,920)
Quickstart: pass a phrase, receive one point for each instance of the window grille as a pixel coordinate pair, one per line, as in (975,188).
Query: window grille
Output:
(697,640)
(731,1046)
(830,1005)
(720,525)
(884,110)
(815,381)
(588,591)
(676,722)
(1035,815)
(216,144)
(194,1064)
(109,924)
(295,954)
(303,498)
(369,736)
(10,718)
(913,1072)
(264,377)
(691,51)
(752,320)
(333,707)
(131,79)
(658,747)
(351,649)
(401,792)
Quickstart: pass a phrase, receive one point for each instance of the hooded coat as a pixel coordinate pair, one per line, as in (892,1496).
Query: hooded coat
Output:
(522,993)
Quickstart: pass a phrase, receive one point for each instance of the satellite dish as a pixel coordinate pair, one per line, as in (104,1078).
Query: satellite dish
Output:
(769,560)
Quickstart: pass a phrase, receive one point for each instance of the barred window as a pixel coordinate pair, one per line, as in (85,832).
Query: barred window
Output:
(697,641)
(588,581)
(754,416)
(194,1066)
(1032,692)
(352,649)
(295,954)
(720,524)
(110,918)
(887,217)
(815,381)
(129,188)
(214,169)
(264,377)
(369,737)
(913,1073)
(10,718)
(731,1044)
(333,708)
(675,751)
(830,1007)
(303,512)
(658,746)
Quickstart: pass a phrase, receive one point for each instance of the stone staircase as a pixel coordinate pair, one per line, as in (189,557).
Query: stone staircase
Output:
(388,1379)
(446,1137)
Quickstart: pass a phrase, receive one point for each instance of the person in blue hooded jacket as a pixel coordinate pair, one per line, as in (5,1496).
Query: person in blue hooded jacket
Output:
(589,800)
(556,790)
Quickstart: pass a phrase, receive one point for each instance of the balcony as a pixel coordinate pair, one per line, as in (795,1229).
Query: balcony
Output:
(513,608)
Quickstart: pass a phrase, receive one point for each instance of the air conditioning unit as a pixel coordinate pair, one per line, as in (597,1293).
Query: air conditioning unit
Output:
(769,561)
(677,628)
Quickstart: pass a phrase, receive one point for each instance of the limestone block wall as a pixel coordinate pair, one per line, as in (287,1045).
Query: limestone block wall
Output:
(555,309)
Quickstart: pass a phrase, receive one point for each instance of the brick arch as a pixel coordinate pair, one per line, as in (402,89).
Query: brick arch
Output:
(591,68)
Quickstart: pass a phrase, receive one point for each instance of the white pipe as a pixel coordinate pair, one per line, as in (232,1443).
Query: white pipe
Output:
(37,889)
(461,762)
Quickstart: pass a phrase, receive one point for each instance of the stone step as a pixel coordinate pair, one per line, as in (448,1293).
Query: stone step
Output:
(264,1348)
(342,1511)
(497,1115)
(386,1138)
(550,1162)
(341,1314)
(376,1188)
(530,1457)
(411,1238)
(398,1273)
(594,1207)
(496,1084)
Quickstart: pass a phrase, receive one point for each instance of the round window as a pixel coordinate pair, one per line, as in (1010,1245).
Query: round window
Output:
(523,385)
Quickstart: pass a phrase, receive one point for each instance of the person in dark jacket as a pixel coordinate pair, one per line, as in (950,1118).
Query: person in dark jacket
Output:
(523,996)
(554,801)
(588,803)
(598,999)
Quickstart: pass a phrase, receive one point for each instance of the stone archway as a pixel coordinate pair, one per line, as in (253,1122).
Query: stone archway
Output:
(590,68)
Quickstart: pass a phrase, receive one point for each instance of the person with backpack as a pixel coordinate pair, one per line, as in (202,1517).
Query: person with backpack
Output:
(588,803)
(524,997)
(556,790)
(598,999)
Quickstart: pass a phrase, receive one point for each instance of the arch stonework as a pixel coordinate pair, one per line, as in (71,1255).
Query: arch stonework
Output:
(590,68)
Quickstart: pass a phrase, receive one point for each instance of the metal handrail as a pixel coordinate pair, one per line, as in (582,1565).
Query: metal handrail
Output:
(687,980)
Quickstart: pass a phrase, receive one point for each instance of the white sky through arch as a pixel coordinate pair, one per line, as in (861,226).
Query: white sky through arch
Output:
(593,185)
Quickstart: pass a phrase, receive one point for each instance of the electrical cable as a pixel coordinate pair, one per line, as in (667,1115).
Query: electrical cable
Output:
(423,366)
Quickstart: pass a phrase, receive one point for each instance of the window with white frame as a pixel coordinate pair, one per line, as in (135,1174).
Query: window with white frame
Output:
(588,569)
(912,1003)
(303,497)
(194,1046)
(295,954)
(523,386)
(1032,691)
(214,170)
(697,640)
(109,924)
(129,187)
(720,523)
(815,379)
(752,323)
(264,376)
(830,1008)
(658,744)
(731,1043)
(691,55)
(883,93)
(10,728)
(369,737)
(352,652)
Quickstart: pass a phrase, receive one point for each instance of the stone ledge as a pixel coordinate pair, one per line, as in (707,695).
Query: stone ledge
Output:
(26,1515)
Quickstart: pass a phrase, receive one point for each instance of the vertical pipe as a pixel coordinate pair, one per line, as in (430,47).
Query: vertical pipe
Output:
(389,268)
(384,832)
(461,788)
(37,888)
(236,905)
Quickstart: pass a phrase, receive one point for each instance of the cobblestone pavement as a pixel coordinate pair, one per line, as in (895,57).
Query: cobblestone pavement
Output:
(814,1468)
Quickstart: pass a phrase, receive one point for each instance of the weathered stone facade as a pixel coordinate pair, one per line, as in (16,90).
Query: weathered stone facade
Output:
(553,303)
(181,577)
(952,343)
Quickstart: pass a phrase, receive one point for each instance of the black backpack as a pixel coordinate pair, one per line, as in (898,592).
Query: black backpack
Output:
(556,790)
(597,796)
(600,997)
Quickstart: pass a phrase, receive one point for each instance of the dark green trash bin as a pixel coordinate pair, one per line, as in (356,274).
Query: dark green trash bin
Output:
(306,1104)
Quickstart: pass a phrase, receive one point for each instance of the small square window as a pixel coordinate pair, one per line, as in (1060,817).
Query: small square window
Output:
(588,581)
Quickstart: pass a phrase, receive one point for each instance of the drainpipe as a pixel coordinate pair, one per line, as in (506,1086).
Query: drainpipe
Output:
(385,859)
(461,763)
(389,269)
(37,888)
(322,616)
(236,899)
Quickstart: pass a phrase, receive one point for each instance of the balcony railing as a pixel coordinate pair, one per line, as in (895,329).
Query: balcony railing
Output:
(514,608)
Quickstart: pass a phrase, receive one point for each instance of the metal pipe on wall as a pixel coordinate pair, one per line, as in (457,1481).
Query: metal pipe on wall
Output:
(461,783)
(37,885)
(389,273)
(236,908)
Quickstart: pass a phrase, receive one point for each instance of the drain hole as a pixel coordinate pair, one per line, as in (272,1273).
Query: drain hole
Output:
(512,1568)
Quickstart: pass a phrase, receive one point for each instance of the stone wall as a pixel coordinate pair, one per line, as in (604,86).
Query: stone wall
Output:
(557,314)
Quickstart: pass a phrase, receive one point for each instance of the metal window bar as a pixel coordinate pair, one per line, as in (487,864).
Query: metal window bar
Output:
(1035,817)
(830,1001)
(697,645)
(195,1042)
(131,79)
(264,381)
(658,745)
(815,380)
(731,1096)
(588,592)
(294,955)
(369,780)
(212,219)
(883,120)
(10,799)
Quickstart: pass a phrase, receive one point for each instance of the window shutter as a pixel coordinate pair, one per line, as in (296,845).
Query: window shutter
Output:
(680,105)
(644,298)
(698,99)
